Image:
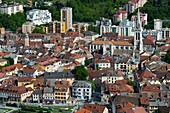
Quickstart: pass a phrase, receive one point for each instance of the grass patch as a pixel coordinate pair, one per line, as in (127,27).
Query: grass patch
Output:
(62,109)
(28,109)
(7,109)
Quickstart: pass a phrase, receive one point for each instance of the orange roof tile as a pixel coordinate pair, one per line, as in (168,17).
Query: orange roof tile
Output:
(103,61)
(123,43)
(95,108)
(25,79)
(152,88)
(83,110)
(77,56)
(11,68)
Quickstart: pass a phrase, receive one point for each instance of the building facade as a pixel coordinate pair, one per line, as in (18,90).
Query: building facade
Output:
(61,91)
(104,25)
(66,16)
(125,28)
(82,90)
(28,27)
(11,9)
(102,63)
(2,31)
(39,17)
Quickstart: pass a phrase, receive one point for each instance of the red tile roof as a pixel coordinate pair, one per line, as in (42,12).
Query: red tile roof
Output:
(103,61)
(25,79)
(11,68)
(134,1)
(148,42)
(121,11)
(28,70)
(116,15)
(150,38)
(95,108)
(152,88)
(83,110)
(136,110)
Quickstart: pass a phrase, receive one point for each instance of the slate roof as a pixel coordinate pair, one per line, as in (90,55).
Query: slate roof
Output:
(58,75)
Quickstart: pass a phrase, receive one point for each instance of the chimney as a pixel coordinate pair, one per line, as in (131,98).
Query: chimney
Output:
(133,108)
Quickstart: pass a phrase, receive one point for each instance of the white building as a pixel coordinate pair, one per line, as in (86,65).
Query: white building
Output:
(38,16)
(11,9)
(112,76)
(103,63)
(125,64)
(126,28)
(82,90)
(90,36)
(37,96)
(105,25)
(158,32)
(110,47)
(157,24)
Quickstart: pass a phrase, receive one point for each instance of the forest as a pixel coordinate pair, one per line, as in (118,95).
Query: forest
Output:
(157,9)
(90,11)
(12,21)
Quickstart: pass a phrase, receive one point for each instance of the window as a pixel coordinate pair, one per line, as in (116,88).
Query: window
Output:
(127,32)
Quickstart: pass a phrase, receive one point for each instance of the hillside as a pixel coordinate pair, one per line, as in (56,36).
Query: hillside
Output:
(83,10)
(157,9)
(91,10)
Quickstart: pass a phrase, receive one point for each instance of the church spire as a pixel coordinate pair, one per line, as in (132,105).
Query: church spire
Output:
(138,26)
(138,42)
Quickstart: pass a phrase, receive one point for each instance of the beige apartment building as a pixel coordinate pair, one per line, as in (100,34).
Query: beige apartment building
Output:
(61,91)
(28,27)
(2,31)
(66,16)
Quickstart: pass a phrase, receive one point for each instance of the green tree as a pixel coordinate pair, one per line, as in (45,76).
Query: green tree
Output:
(80,72)
(12,21)
(156,9)
(93,85)
(93,28)
(167,57)
(10,61)
(131,83)
(87,62)
(38,30)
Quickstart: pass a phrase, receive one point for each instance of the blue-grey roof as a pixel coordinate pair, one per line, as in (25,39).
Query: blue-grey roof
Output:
(127,23)
(57,75)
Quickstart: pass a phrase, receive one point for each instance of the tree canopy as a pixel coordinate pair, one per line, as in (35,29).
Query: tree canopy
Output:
(12,21)
(91,10)
(38,30)
(93,28)
(167,57)
(93,84)
(80,72)
(156,9)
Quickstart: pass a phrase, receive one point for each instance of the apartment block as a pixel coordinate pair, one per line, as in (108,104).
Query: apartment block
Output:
(82,90)
(11,9)
(66,16)
(28,27)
